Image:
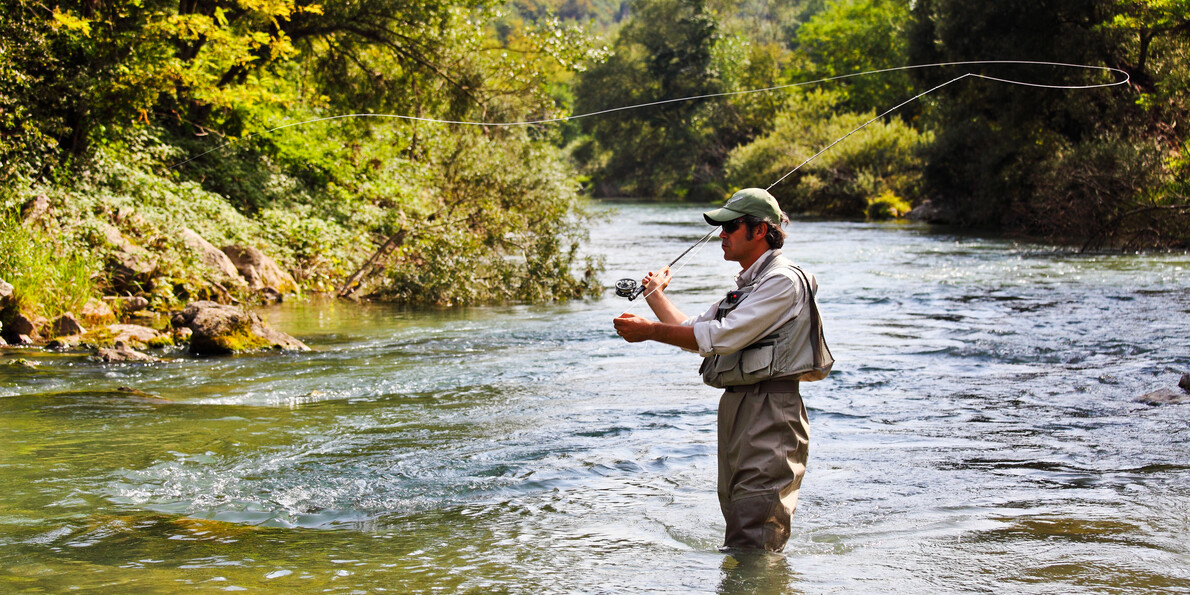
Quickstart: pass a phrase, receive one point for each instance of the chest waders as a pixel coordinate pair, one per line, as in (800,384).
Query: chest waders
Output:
(764,432)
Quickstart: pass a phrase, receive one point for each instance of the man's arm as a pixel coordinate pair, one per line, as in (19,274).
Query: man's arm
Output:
(635,329)
(666,311)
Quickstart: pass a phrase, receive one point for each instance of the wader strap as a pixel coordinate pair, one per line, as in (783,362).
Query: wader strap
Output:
(772,385)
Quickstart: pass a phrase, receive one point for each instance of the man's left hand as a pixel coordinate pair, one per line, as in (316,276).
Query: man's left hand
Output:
(633,328)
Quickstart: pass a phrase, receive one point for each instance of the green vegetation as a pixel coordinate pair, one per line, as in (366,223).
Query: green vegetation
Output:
(129,121)
(49,275)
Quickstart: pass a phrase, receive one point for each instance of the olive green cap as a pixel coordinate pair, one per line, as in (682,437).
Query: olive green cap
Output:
(749,201)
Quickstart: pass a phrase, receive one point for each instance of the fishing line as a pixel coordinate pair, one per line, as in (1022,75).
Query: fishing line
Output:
(623,287)
(635,291)
(1126,78)
(706,96)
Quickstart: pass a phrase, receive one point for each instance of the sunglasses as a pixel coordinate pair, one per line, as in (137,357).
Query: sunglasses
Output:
(731,226)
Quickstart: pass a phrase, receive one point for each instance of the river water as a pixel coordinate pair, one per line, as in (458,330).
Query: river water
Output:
(979,433)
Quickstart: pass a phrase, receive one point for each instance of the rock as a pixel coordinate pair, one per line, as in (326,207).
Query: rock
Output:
(131,266)
(133,333)
(122,353)
(259,270)
(129,303)
(182,335)
(211,256)
(6,290)
(1163,396)
(929,212)
(22,329)
(141,395)
(65,342)
(66,325)
(1184,383)
(221,330)
(97,313)
(35,209)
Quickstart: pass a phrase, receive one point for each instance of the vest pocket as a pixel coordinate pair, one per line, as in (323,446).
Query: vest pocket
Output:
(757,359)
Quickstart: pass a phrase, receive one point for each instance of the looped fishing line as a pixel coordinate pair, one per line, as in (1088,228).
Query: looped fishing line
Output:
(702,242)
(713,95)
(894,108)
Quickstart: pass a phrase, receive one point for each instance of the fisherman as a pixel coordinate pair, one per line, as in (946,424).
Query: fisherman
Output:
(757,343)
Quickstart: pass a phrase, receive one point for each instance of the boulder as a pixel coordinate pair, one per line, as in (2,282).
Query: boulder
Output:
(65,343)
(1184,382)
(22,329)
(122,353)
(929,212)
(66,325)
(35,209)
(1163,396)
(261,272)
(133,333)
(220,330)
(95,312)
(130,303)
(211,256)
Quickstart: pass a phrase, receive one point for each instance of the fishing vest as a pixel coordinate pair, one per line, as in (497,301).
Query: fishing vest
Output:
(797,349)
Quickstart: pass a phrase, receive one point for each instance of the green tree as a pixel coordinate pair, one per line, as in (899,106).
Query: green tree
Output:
(852,36)
(879,163)
(1101,168)
(665,52)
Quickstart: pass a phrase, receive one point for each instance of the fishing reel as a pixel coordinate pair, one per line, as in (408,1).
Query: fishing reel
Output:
(628,288)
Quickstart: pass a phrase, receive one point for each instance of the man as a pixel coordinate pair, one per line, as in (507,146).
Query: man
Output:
(757,343)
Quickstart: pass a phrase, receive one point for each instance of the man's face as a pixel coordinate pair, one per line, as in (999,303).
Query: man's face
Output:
(736,245)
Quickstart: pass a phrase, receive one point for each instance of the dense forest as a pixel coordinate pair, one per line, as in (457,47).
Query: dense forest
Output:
(128,127)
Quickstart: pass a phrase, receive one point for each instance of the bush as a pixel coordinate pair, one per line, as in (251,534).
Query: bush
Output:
(879,159)
(503,224)
(1108,192)
(887,206)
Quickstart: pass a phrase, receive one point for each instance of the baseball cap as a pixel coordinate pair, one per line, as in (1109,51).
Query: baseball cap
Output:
(749,201)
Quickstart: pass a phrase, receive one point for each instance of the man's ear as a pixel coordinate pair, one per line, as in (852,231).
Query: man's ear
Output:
(759,232)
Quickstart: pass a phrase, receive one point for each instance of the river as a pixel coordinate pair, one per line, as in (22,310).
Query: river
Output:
(979,433)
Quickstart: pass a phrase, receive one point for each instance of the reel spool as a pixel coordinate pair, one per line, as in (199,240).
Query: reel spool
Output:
(628,288)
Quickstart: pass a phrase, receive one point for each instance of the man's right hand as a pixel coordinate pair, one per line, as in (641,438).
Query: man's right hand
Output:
(656,281)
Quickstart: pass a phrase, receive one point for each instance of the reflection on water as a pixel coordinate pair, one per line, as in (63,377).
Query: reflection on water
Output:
(979,429)
(751,572)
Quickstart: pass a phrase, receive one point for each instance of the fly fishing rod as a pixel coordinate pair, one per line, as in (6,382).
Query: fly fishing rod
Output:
(630,289)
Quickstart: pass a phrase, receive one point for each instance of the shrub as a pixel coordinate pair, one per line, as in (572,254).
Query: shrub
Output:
(880,158)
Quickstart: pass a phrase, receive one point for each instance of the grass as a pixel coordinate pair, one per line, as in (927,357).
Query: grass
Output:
(48,277)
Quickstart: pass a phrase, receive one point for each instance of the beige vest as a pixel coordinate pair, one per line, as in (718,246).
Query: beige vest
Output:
(797,349)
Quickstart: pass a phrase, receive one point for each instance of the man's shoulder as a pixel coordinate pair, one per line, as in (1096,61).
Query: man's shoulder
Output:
(784,273)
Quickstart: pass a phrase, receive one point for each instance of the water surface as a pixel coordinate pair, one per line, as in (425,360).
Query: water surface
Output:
(979,432)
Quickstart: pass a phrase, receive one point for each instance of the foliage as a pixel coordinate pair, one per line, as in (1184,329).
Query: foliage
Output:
(852,36)
(493,230)
(1101,168)
(667,51)
(877,160)
(886,205)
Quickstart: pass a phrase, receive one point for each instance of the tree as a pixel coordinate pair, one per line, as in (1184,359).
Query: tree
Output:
(852,36)
(665,52)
